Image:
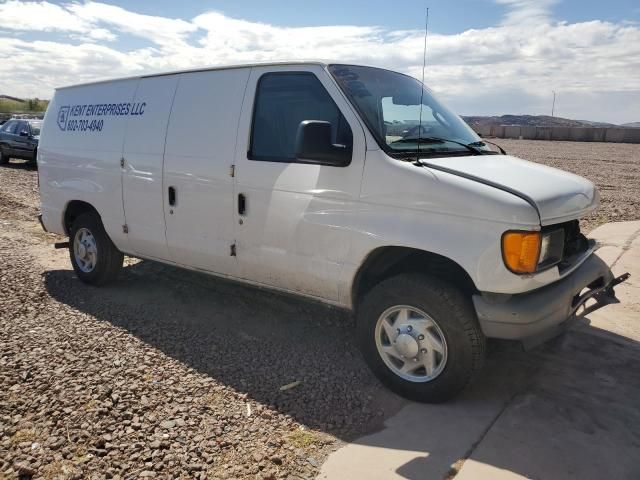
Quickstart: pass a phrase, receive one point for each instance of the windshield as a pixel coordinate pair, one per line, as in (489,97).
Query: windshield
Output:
(35,128)
(389,103)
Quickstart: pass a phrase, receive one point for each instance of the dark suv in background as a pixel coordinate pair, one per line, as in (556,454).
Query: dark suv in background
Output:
(19,139)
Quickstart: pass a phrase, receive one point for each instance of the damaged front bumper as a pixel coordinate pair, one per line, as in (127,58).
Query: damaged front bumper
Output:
(536,316)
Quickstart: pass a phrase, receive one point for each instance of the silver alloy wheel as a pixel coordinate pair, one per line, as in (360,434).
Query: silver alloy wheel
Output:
(411,343)
(85,250)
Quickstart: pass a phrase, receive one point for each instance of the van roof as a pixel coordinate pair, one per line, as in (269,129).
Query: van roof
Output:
(202,69)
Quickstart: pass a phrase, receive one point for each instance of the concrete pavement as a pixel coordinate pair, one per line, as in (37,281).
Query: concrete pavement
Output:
(568,409)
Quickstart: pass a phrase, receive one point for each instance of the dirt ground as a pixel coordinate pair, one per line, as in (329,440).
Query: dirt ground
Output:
(170,374)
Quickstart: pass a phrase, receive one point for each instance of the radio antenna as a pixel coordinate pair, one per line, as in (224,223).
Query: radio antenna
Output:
(424,65)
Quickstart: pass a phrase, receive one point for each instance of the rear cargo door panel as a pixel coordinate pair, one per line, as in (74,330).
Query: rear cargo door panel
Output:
(80,151)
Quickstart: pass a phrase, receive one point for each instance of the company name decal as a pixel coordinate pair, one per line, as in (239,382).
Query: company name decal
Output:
(90,117)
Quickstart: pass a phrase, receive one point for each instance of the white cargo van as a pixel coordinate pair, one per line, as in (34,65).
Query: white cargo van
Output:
(346,184)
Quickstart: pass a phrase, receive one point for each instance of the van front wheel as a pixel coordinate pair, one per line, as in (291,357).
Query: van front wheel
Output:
(94,257)
(420,337)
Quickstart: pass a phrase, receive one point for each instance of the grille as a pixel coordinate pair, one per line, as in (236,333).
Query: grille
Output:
(575,243)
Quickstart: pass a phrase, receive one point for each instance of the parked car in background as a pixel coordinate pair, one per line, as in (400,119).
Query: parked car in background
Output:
(19,139)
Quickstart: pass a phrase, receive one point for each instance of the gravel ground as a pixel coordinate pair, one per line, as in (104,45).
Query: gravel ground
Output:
(166,373)
(169,374)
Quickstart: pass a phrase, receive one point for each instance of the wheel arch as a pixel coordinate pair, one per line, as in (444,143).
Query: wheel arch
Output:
(384,262)
(73,210)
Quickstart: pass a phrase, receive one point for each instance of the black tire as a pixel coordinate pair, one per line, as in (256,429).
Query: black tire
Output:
(108,258)
(453,313)
(33,162)
(4,159)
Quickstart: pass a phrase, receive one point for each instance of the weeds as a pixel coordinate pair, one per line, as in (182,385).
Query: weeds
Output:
(303,438)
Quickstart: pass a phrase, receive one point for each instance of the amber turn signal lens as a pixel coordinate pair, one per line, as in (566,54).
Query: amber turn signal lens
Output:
(521,250)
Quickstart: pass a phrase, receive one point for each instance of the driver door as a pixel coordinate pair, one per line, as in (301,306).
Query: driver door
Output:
(23,140)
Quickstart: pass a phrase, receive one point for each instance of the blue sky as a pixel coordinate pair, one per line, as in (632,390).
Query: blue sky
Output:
(485,57)
(447,16)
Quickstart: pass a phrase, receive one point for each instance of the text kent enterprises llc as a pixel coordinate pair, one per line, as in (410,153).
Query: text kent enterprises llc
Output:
(107,109)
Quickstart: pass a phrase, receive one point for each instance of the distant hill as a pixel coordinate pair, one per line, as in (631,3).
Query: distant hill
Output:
(9,104)
(13,99)
(540,121)
(535,121)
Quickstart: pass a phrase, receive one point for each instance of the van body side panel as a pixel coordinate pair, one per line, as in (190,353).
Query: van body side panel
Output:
(296,231)
(199,153)
(79,154)
(143,193)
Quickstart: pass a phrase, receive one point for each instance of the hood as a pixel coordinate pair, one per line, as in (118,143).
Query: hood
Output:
(558,196)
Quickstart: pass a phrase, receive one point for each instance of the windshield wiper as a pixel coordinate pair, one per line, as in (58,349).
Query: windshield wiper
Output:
(426,140)
(482,142)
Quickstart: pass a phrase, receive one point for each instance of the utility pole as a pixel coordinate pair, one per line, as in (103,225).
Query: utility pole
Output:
(553,105)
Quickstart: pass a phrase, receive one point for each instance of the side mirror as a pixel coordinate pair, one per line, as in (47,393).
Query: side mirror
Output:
(24,133)
(313,145)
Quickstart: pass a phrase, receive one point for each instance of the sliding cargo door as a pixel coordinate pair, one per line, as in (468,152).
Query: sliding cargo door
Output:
(143,156)
(198,187)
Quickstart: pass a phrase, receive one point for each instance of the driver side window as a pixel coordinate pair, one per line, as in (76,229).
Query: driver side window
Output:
(283,100)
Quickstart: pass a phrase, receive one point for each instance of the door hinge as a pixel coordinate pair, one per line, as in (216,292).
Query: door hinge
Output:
(233,250)
(232,171)
(125,229)
(121,162)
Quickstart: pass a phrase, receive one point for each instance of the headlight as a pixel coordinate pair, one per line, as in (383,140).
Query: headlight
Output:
(528,252)
(551,248)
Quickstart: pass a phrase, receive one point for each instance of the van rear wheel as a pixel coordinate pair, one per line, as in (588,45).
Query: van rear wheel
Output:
(420,337)
(94,257)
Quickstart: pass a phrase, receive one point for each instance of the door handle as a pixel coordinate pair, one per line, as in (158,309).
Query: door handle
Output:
(242,204)
(172,196)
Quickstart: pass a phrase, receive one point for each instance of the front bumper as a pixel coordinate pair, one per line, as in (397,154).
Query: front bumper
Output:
(543,313)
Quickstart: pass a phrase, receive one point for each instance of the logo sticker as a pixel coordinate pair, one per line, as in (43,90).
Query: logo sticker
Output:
(91,117)
(63,115)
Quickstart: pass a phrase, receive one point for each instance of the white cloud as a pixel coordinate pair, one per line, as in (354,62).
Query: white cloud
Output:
(46,17)
(527,11)
(508,68)
(162,31)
